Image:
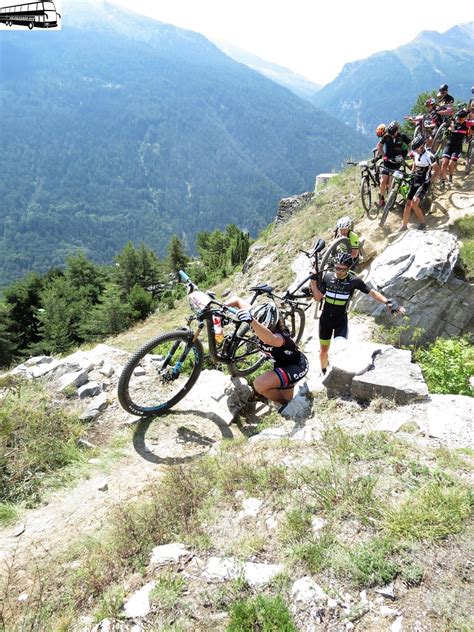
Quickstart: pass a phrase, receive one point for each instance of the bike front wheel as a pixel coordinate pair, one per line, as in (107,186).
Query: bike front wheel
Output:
(468,167)
(366,198)
(160,374)
(388,205)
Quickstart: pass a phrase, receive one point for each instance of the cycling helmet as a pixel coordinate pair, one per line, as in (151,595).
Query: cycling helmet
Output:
(443,88)
(267,315)
(393,127)
(344,222)
(343,259)
(462,114)
(430,101)
(381,129)
(417,142)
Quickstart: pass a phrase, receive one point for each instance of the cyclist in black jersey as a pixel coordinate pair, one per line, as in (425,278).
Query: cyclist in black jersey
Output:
(291,365)
(337,289)
(423,170)
(443,97)
(394,151)
(458,132)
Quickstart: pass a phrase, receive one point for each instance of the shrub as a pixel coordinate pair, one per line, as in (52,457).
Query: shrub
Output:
(265,614)
(447,365)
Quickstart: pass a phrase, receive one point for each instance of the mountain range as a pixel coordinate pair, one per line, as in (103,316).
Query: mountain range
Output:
(384,86)
(122,128)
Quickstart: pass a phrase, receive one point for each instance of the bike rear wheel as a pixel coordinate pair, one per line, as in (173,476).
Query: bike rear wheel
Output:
(468,167)
(370,207)
(339,244)
(245,353)
(160,374)
(295,320)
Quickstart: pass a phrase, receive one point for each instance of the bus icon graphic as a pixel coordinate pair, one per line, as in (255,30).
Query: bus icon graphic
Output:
(40,14)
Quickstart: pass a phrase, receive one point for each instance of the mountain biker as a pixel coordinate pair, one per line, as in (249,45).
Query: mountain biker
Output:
(458,131)
(344,229)
(337,288)
(443,97)
(423,162)
(395,150)
(291,365)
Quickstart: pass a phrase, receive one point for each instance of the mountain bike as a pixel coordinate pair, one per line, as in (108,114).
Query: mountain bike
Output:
(369,185)
(167,367)
(441,134)
(399,187)
(469,156)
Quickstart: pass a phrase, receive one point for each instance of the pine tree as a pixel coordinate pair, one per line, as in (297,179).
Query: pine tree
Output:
(177,258)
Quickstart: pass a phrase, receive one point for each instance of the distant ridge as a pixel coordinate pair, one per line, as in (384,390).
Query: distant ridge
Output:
(384,86)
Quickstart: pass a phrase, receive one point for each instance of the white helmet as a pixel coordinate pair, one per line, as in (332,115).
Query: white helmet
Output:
(344,222)
(267,315)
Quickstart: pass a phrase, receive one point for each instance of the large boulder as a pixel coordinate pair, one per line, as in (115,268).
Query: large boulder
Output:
(366,370)
(419,269)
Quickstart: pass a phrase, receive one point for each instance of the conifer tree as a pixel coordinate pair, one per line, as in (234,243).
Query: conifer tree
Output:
(177,257)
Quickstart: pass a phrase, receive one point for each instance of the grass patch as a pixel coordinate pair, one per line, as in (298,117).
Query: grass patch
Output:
(166,595)
(37,439)
(262,613)
(465,226)
(316,553)
(349,448)
(8,514)
(447,365)
(432,512)
(371,563)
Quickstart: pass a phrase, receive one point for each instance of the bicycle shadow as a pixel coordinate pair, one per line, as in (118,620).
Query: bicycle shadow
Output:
(181,437)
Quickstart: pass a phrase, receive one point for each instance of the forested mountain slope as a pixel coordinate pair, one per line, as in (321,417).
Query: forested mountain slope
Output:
(121,128)
(381,87)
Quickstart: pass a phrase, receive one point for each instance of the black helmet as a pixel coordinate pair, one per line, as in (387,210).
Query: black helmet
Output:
(443,88)
(417,142)
(267,315)
(343,259)
(393,127)
(462,114)
(430,101)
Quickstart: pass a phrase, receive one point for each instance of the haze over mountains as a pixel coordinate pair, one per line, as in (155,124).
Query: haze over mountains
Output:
(121,128)
(384,86)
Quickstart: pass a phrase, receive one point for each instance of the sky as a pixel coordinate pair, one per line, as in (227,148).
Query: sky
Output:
(313,38)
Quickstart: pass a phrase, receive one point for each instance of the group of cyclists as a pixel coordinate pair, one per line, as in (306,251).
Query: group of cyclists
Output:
(337,286)
(394,147)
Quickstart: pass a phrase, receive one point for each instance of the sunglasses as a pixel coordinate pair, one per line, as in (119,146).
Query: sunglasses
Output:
(340,268)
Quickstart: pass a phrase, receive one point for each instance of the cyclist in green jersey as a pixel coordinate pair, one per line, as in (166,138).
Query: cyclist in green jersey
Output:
(344,229)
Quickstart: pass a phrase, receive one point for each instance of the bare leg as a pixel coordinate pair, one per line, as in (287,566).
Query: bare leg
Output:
(418,212)
(268,384)
(407,213)
(236,301)
(323,355)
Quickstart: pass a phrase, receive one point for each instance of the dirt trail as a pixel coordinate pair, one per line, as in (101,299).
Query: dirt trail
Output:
(180,437)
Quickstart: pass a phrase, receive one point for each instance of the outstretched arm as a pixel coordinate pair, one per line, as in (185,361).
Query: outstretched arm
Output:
(313,286)
(390,303)
(265,335)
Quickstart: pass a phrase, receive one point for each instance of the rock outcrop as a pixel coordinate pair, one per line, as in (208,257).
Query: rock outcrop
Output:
(419,269)
(288,206)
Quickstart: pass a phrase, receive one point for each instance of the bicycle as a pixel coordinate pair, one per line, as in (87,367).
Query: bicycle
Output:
(167,367)
(398,189)
(469,157)
(369,179)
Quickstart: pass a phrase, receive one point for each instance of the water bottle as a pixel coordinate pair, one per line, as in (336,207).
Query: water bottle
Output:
(218,329)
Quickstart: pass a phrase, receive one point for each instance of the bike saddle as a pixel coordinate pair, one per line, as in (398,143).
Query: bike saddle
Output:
(264,288)
(318,246)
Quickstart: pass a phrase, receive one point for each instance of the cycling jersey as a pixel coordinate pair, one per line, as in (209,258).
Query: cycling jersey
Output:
(290,364)
(423,164)
(288,353)
(337,292)
(395,150)
(354,239)
(447,99)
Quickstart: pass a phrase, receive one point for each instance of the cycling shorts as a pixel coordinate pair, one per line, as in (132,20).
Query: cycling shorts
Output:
(292,373)
(418,190)
(388,167)
(452,151)
(328,325)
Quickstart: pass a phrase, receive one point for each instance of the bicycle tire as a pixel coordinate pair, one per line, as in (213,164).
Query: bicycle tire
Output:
(438,138)
(252,353)
(332,249)
(366,198)
(127,390)
(388,206)
(296,325)
(468,166)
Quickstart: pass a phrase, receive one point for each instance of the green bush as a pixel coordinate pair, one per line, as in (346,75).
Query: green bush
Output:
(447,365)
(265,614)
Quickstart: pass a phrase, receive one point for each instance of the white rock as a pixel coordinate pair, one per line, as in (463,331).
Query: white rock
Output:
(88,390)
(168,553)
(74,379)
(100,402)
(397,625)
(385,611)
(271,523)
(107,370)
(103,485)
(23,597)
(139,603)
(260,574)
(317,524)
(306,590)
(221,569)
(250,508)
